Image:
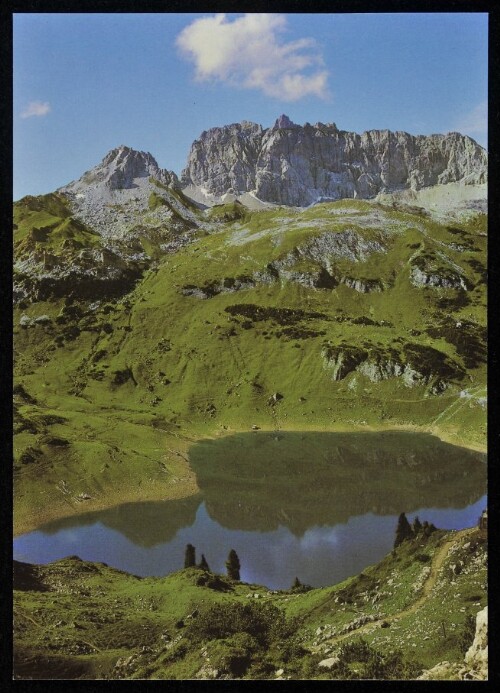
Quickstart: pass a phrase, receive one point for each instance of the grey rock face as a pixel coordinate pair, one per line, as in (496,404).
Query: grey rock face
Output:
(345,244)
(344,360)
(96,272)
(298,165)
(121,166)
(476,658)
(227,285)
(113,197)
(223,159)
(362,286)
(421,278)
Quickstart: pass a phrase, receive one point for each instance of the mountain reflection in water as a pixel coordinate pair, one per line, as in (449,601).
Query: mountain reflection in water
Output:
(260,480)
(319,505)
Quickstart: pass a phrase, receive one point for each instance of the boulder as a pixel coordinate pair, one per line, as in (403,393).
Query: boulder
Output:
(329,662)
(444,671)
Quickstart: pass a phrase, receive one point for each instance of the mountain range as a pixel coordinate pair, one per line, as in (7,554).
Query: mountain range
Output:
(203,307)
(286,164)
(296,278)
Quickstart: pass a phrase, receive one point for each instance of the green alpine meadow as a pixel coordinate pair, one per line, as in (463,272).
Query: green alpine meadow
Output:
(110,393)
(250,400)
(242,327)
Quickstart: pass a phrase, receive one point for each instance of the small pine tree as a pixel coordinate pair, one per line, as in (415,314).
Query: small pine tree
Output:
(429,528)
(190,556)
(233,565)
(203,563)
(403,530)
(417,525)
(296,583)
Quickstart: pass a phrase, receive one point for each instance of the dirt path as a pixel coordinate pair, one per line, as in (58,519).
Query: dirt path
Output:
(437,563)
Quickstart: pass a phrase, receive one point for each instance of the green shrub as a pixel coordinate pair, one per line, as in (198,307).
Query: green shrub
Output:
(234,655)
(156,201)
(291,649)
(373,664)
(355,651)
(468,633)
(397,667)
(265,623)
(423,557)
(261,669)
(213,582)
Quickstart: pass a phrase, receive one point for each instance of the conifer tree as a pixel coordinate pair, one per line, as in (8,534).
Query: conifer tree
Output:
(417,525)
(233,565)
(203,563)
(429,528)
(190,556)
(403,530)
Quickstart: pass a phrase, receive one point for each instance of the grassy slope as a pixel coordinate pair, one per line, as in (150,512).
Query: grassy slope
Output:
(76,619)
(135,381)
(46,222)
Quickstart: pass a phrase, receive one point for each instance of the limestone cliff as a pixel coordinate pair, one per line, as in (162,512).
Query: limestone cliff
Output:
(297,165)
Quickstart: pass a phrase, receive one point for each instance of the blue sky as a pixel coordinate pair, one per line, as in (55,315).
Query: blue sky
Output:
(85,83)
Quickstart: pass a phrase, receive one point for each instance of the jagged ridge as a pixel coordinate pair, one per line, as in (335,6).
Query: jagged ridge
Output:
(299,165)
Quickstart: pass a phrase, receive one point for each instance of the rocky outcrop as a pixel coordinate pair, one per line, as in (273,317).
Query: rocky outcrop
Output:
(362,286)
(298,165)
(414,365)
(70,257)
(93,273)
(223,159)
(476,658)
(214,288)
(319,253)
(322,252)
(348,245)
(452,280)
(444,671)
(475,665)
(436,269)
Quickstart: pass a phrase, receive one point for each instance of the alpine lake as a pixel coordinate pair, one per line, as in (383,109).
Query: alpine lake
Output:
(313,505)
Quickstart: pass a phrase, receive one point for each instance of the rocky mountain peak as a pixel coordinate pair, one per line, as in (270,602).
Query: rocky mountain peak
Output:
(109,197)
(283,121)
(124,153)
(121,167)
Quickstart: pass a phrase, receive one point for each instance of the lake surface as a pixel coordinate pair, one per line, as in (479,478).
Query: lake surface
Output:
(319,506)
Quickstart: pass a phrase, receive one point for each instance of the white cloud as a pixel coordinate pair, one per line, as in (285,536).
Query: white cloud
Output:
(476,121)
(319,537)
(248,53)
(36,108)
